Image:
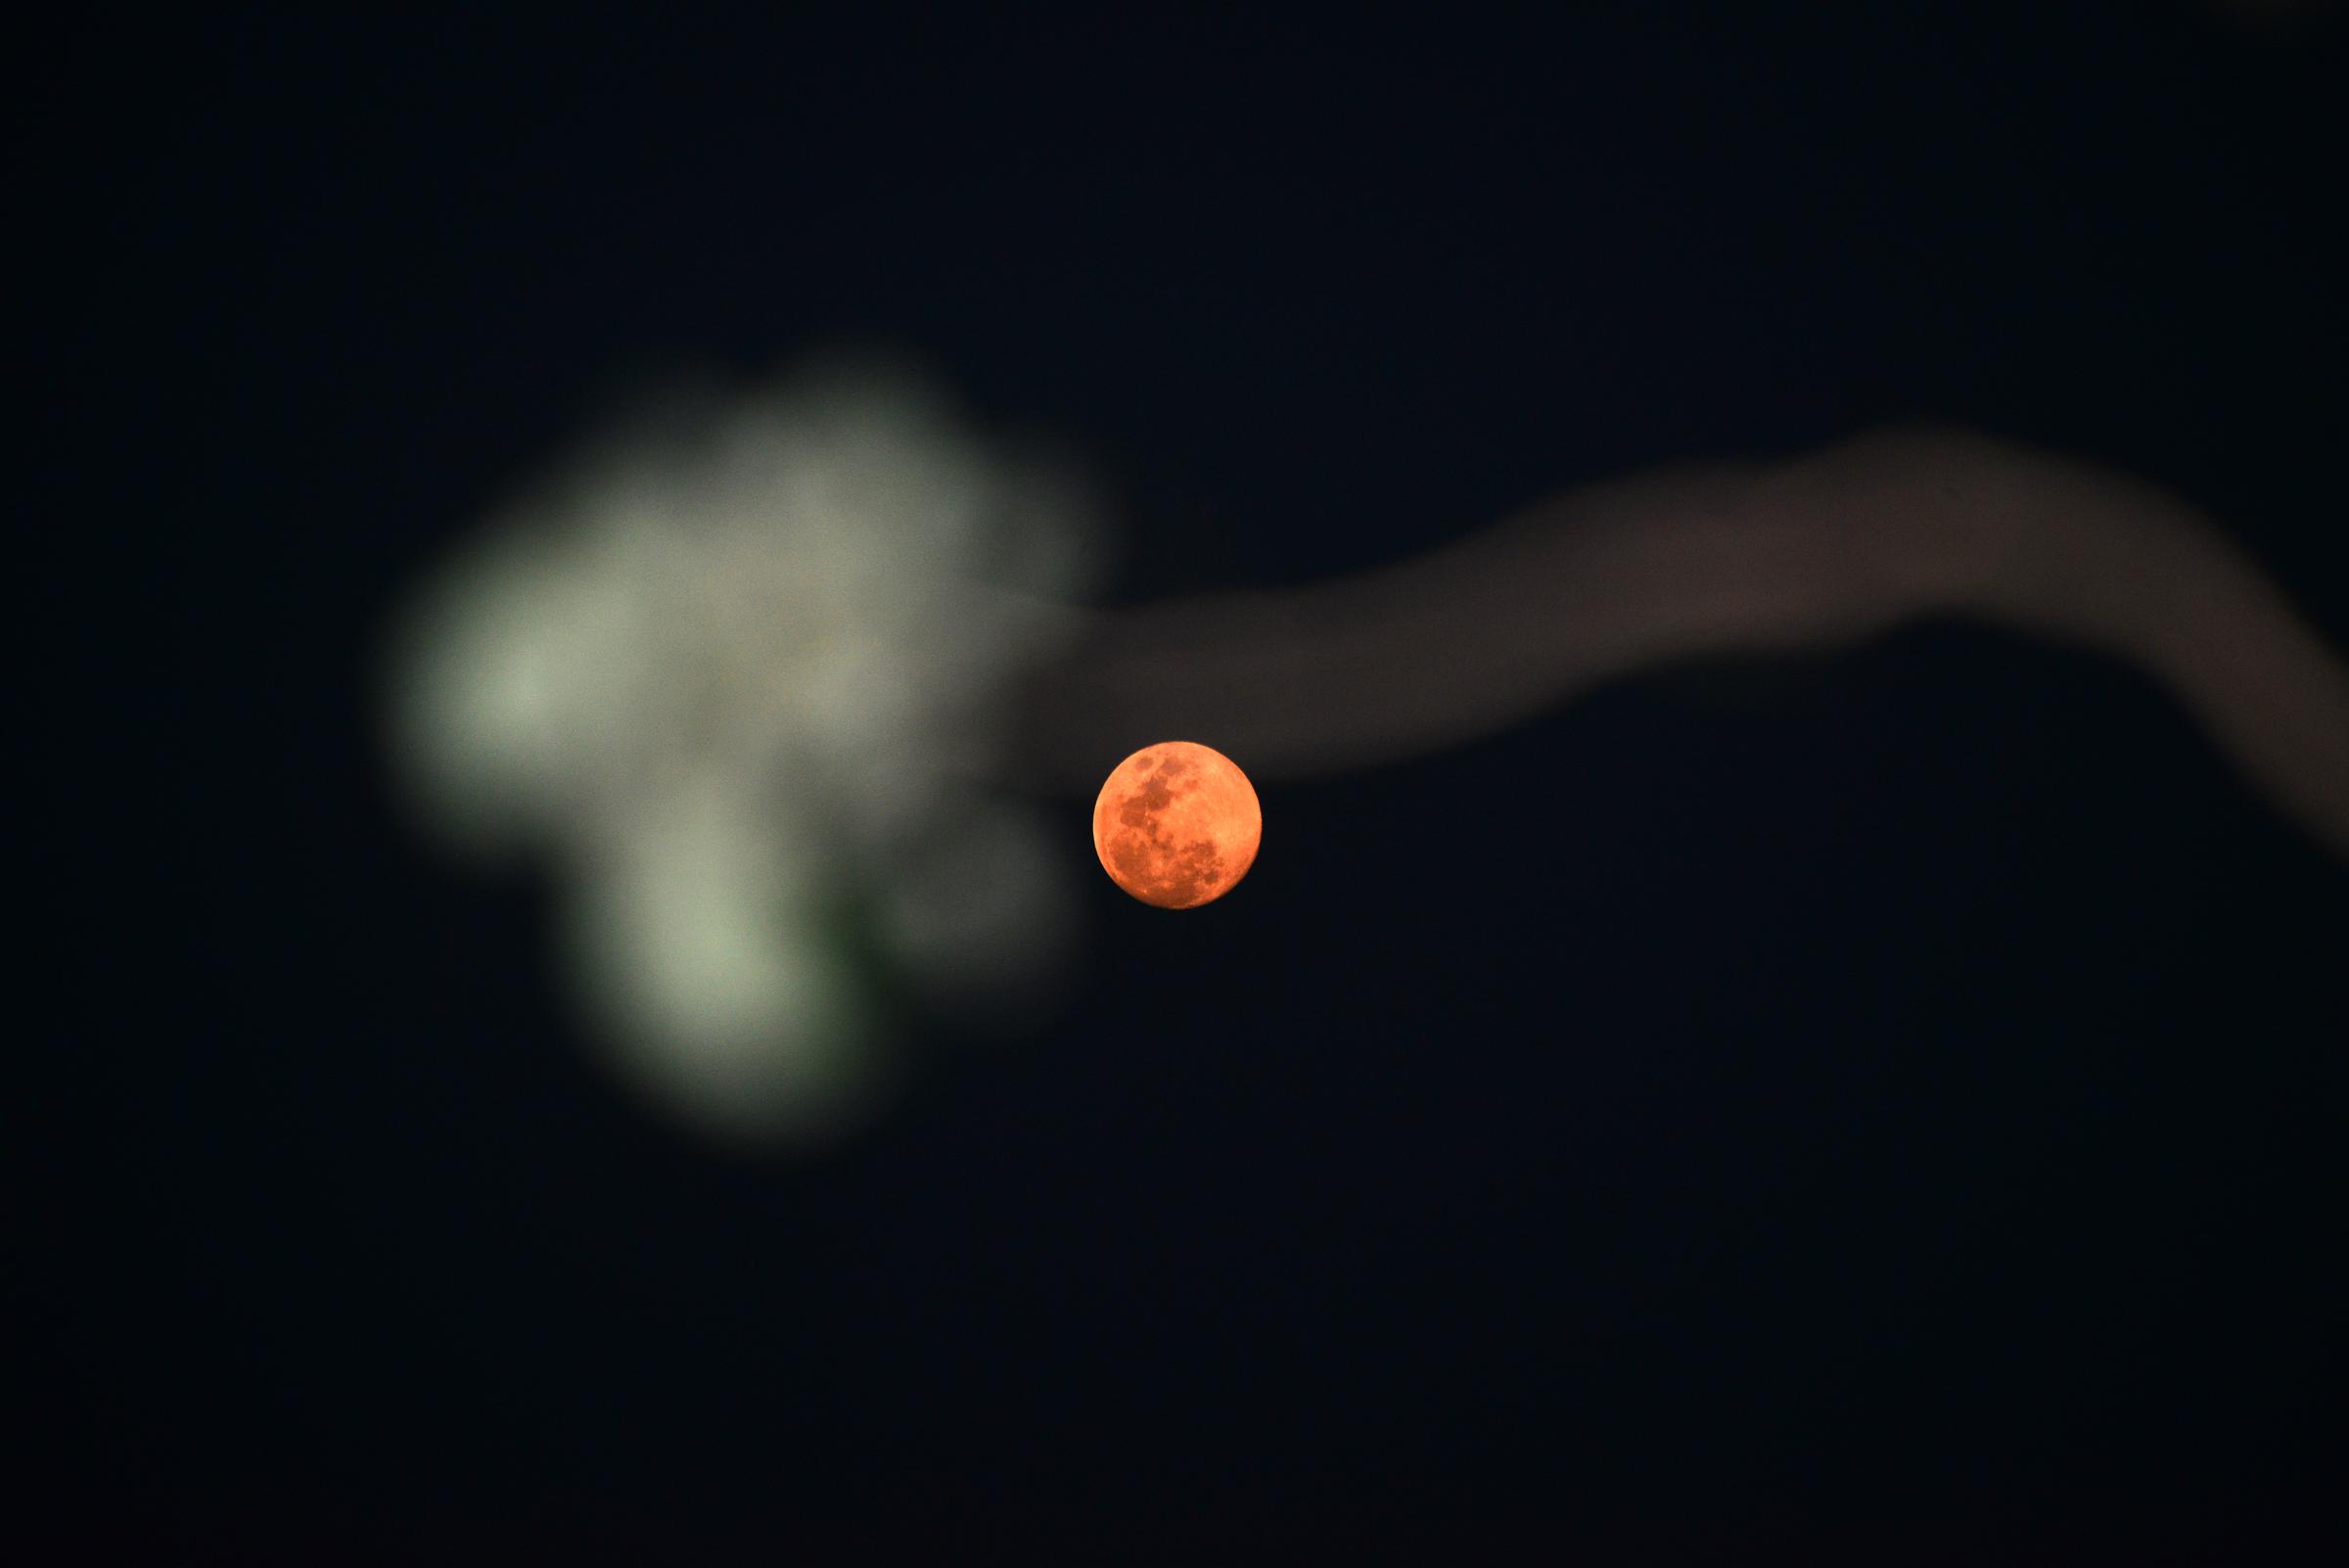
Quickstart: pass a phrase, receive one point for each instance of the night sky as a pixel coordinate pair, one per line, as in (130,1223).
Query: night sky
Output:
(1886,1104)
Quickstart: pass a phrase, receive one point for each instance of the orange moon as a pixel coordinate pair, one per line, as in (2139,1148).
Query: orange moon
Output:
(1176,824)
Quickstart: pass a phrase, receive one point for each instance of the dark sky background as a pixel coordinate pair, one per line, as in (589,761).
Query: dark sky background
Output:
(1890,1106)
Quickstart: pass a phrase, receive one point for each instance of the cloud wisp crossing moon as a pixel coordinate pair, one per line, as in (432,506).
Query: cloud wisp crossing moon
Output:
(1826,550)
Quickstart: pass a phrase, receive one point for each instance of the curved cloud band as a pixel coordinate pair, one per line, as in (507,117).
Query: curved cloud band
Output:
(1592,583)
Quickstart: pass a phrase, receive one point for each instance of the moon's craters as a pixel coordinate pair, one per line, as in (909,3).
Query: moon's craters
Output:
(1177,825)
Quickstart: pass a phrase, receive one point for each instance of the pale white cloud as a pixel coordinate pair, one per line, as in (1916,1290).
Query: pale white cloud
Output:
(729,681)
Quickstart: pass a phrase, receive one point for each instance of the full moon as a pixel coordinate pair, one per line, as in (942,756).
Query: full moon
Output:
(1176,824)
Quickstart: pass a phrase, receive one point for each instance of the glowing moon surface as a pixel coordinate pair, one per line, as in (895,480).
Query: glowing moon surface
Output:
(1177,824)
